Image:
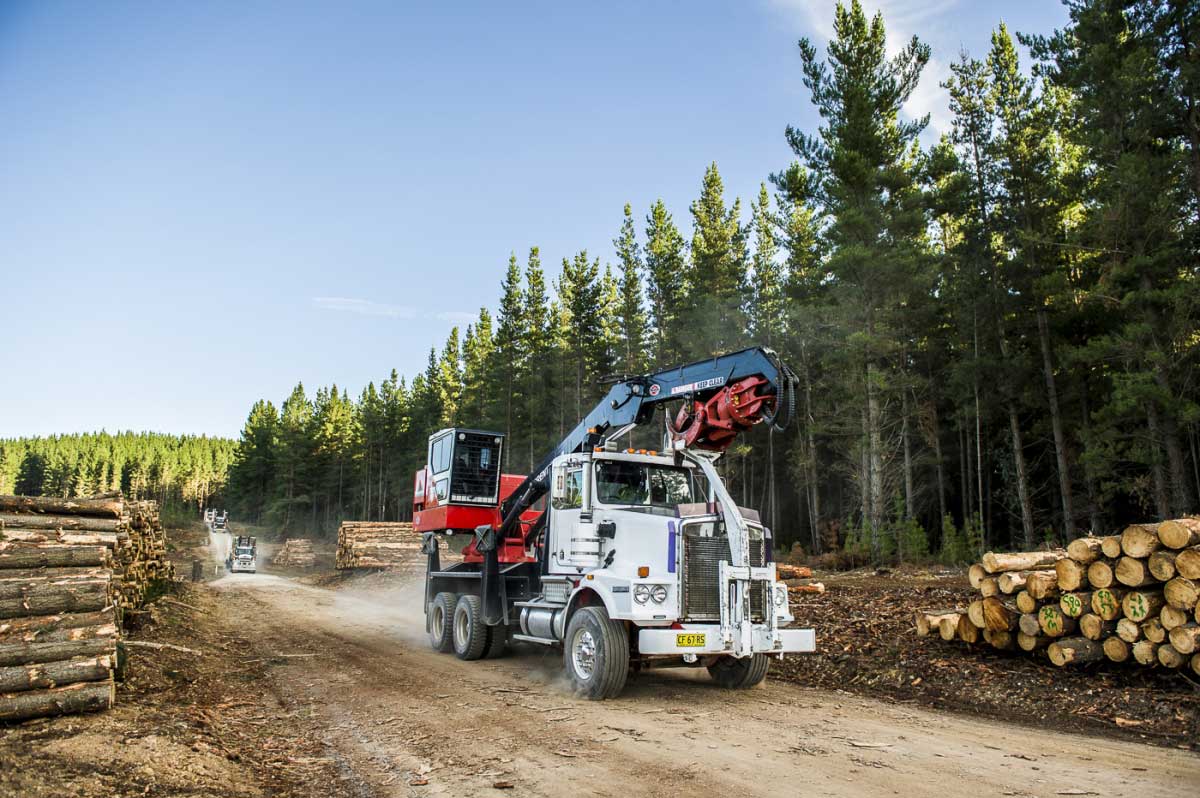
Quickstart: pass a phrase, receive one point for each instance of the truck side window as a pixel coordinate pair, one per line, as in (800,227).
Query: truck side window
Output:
(571,496)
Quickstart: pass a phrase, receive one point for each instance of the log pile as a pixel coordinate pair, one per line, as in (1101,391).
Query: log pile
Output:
(1133,597)
(798,578)
(131,531)
(393,546)
(295,553)
(59,606)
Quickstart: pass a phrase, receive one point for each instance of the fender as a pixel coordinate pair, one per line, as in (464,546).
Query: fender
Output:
(585,596)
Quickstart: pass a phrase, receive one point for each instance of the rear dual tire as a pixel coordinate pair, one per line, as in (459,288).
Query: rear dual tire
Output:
(440,622)
(455,623)
(470,632)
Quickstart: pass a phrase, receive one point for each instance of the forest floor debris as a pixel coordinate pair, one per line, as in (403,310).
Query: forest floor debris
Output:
(867,645)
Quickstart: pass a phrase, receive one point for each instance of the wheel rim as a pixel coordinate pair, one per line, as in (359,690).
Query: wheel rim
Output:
(583,654)
(460,629)
(439,620)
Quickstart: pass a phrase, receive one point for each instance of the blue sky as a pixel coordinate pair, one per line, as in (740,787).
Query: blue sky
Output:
(202,203)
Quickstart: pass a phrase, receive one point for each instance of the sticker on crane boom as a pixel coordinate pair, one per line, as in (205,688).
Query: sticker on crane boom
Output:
(692,387)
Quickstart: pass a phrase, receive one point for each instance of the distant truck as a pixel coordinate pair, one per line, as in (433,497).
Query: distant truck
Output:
(210,515)
(243,556)
(220,521)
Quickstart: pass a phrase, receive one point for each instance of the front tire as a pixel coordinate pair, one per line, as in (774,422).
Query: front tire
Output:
(738,674)
(596,654)
(441,622)
(470,632)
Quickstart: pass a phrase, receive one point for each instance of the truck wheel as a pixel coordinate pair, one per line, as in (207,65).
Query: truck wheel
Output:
(441,622)
(470,632)
(596,654)
(737,674)
(497,645)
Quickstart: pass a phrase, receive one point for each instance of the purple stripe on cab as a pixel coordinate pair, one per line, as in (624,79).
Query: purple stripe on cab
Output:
(670,547)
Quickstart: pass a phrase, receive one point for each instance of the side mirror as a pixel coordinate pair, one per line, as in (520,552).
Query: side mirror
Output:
(607,529)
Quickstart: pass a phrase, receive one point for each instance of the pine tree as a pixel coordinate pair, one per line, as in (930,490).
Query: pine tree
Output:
(716,319)
(579,295)
(536,365)
(294,455)
(634,331)
(510,334)
(478,350)
(1129,105)
(254,467)
(450,381)
(767,309)
(667,286)
(866,183)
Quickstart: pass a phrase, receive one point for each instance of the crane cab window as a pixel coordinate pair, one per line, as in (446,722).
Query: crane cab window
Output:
(439,465)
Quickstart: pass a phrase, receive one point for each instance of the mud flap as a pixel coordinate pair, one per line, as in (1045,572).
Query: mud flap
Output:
(492,587)
(433,563)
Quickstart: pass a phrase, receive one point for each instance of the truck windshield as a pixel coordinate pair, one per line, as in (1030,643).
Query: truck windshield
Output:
(244,551)
(622,482)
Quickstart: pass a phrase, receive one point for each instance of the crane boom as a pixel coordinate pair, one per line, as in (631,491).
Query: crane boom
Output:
(723,396)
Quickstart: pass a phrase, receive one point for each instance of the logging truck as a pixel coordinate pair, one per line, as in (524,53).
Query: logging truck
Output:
(624,558)
(243,555)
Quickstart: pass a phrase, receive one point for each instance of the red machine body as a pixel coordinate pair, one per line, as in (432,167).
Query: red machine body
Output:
(433,515)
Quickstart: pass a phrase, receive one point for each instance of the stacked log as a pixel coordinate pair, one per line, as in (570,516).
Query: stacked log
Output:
(59,613)
(295,553)
(131,531)
(1133,597)
(381,545)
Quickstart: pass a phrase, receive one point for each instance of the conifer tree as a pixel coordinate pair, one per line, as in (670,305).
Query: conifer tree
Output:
(510,331)
(716,321)
(667,286)
(860,153)
(478,383)
(634,331)
(767,309)
(536,368)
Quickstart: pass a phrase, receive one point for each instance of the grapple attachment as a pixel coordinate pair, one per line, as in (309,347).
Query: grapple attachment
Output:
(714,422)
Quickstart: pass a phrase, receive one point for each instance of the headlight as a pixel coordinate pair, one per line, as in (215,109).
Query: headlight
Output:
(658,593)
(641,593)
(781,595)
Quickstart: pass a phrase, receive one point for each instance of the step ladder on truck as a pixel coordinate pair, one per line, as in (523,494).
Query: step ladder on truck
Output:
(625,559)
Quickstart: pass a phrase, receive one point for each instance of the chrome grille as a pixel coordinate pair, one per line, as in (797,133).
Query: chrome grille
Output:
(701,589)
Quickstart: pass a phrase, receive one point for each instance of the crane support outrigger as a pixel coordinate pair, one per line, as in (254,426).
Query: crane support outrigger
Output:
(637,558)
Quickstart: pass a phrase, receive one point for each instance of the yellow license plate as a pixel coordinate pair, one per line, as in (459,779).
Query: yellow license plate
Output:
(689,641)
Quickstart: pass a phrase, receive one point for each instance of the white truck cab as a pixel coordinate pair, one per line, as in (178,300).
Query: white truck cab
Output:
(649,537)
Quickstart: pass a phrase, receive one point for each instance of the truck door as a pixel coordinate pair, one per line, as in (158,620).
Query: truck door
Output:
(571,537)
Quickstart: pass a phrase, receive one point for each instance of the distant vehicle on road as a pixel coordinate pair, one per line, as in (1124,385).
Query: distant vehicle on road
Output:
(243,557)
(210,515)
(221,521)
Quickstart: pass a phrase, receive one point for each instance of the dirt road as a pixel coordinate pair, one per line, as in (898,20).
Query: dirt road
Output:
(397,714)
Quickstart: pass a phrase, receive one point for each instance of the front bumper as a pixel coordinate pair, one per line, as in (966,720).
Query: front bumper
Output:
(243,567)
(667,641)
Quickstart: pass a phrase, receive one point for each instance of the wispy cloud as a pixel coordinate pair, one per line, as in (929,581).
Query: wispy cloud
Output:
(366,307)
(456,316)
(363,307)
(930,20)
